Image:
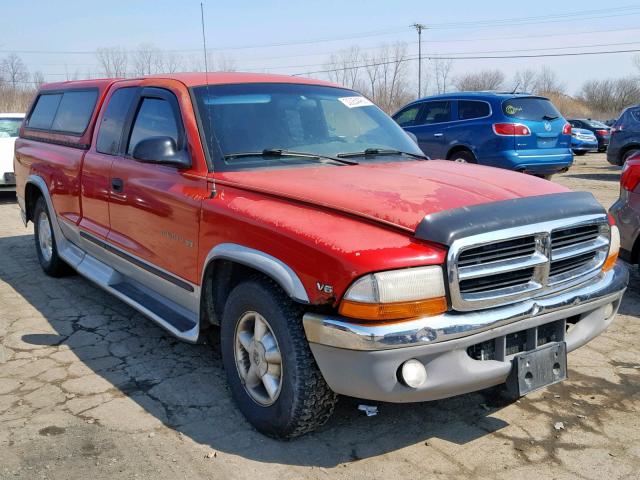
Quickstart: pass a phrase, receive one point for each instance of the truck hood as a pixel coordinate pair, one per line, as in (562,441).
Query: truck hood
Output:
(398,194)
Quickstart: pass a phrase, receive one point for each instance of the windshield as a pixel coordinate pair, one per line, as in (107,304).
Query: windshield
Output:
(9,127)
(310,119)
(530,108)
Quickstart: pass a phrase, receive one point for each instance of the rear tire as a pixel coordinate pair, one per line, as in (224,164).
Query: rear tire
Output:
(462,156)
(45,241)
(273,376)
(580,153)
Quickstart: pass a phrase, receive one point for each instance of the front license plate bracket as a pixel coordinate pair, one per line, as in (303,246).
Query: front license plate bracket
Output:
(538,368)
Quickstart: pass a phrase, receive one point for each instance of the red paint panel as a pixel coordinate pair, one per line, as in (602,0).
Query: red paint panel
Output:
(60,168)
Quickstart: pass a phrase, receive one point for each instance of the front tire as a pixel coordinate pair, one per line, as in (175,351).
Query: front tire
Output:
(271,371)
(462,156)
(46,247)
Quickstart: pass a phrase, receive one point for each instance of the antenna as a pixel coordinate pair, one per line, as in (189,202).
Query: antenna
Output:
(206,77)
(204,45)
(515,89)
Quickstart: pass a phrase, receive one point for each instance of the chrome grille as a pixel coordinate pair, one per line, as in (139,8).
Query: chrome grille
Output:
(497,268)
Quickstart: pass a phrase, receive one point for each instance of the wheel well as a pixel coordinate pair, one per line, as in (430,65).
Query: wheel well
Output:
(626,148)
(221,276)
(457,149)
(31,195)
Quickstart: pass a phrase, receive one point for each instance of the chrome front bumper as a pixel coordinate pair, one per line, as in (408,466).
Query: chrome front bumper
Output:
(363,360)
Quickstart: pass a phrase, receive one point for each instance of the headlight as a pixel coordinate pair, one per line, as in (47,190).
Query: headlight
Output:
(396,294)
(614,249)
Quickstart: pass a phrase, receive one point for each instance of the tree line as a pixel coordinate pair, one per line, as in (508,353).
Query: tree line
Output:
(18,85)
(388,79)
(387,75)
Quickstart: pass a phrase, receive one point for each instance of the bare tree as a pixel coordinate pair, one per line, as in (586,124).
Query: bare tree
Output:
(113,61)
(610,96)
(14,71)
(636,61)
(345,67)
(525,80)
(147,60)
(224,63)
(172,63)
(479,81)
(441,73)
(547,82)
(37,78)
(386,73)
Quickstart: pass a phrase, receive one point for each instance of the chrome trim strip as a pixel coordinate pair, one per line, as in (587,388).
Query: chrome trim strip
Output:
(544,155)
(341,332)
(139,263)
(502,266)
(579,248)
(263,262)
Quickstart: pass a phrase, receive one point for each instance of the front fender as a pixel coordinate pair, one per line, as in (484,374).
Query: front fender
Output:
(263,262)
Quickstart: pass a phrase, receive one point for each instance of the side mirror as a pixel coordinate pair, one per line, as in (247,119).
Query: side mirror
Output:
(161,150)
(412,136)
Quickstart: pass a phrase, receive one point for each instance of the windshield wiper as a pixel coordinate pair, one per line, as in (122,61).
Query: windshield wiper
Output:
(380,151)
(278,152)
(549,117)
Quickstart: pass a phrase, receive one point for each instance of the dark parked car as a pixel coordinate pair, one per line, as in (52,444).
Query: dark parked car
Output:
(625,137)
(599,129)
(626,210)
(519,132)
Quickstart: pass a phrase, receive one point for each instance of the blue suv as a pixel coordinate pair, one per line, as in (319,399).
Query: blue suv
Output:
(516,131)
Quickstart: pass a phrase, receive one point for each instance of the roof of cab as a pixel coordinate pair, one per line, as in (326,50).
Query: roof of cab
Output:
(196,79)
(219,78)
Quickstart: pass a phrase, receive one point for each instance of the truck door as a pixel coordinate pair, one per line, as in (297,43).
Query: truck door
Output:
(154,209)
(96,169)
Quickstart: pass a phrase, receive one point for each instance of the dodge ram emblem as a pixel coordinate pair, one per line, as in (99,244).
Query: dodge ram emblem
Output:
(547,126)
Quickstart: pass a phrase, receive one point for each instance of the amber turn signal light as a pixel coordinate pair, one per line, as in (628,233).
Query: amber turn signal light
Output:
(393,311)
(609,262)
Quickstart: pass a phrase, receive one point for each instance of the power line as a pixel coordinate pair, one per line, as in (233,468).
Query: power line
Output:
(573,54)
(439,55)
(594,14)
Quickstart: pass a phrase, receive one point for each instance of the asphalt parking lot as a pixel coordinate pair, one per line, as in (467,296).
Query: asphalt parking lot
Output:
(91,389)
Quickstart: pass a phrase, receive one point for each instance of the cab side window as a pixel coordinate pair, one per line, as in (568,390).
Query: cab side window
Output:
(155,118)
(436,112)
(407,117)
(113,120)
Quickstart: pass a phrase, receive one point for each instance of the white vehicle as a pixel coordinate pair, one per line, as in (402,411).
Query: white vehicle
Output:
(9,128)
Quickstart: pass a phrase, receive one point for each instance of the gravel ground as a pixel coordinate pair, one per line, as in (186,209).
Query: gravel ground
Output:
(91,389)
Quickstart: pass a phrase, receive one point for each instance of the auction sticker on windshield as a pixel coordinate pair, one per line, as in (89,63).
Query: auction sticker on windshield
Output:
(353,102)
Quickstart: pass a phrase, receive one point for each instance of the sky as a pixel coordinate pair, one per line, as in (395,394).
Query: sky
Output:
(293,37)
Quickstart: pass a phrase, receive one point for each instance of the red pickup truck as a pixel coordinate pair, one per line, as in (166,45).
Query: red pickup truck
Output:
(335,257)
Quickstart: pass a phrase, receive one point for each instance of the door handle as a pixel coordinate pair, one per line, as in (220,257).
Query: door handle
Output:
(437,134)
(117,184)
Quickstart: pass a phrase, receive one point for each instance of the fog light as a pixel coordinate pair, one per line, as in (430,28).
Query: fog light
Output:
(608,310)
(413,373)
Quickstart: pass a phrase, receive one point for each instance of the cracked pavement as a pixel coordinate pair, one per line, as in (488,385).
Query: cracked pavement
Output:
(91,389)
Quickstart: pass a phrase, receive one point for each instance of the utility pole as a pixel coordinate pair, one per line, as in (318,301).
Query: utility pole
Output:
(419,27)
